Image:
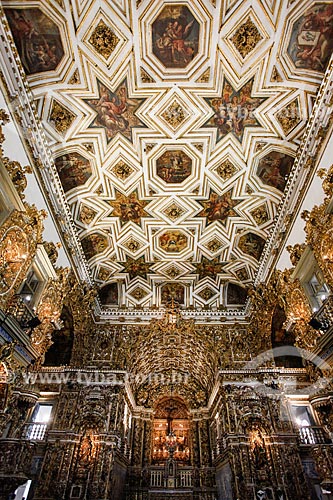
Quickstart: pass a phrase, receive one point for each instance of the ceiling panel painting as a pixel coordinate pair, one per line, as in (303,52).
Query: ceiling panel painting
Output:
(37,38)
(173,126)
(115,111)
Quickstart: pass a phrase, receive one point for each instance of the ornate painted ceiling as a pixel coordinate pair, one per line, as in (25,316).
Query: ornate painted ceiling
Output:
(173,127)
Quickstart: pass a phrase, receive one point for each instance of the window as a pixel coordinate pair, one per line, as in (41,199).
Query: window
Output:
(30,287)
(312,279)
(40,418)
(318,290)
(302,416)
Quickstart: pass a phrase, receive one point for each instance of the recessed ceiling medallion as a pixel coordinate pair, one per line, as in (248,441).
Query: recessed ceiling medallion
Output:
(246,38)
(289,116)
(226,170)
(174,166)
(61,118)
(173,241)
(173,211)
(174,115)
(121,170)
(103,39)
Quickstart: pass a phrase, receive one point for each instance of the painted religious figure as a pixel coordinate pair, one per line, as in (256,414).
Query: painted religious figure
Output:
(252,244)
(236,294)
(94,244)
(173,167)
(311,41)
(218,207)
(136,267)
(172,291)
(73,169)
(209,267)
(108,294)
(173,241)
(274,168)
(37,39)
(175,35)
(128,208)
(115,111)
(234,110)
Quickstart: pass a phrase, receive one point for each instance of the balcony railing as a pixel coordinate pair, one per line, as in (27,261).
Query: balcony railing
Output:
(312,435)
(36,432)
(23,314)
(322,320)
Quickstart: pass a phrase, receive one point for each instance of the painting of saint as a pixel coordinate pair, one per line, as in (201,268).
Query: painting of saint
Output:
(115,111)
(173,241)
(218,207)
(209,267)
(73,169)
(236,294)
(234,110)
(136,267)
(274,169)
(173,167)
(37,39)
(128,208)
(94,244)
(175,35)
(311,41)
(172,291)
(252,244)
(108,294)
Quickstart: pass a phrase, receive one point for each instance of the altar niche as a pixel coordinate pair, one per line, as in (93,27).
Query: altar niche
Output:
(171,439)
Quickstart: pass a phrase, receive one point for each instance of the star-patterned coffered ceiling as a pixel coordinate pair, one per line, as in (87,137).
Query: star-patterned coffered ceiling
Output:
(173,127)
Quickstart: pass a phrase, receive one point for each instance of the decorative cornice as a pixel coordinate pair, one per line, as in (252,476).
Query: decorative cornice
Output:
(143,315)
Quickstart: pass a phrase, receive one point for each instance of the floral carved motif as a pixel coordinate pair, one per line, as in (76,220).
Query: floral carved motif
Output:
(104,40)
(246,38)
(60,117)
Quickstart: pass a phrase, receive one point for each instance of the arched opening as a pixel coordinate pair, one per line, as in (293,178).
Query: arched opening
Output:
(171,432)
(60,351)
(283,338)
